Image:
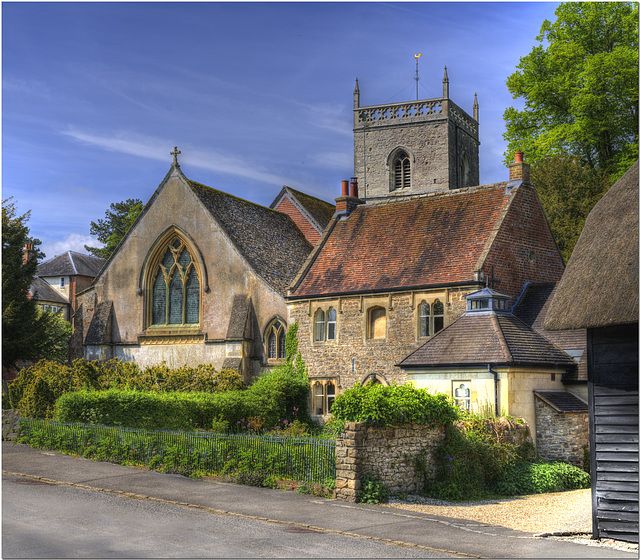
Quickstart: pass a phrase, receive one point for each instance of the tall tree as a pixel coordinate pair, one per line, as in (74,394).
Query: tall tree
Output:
(118,219)
(568,191)
(580,88)
(27,333)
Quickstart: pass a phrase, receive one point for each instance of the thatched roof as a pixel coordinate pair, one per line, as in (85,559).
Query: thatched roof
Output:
(599,287)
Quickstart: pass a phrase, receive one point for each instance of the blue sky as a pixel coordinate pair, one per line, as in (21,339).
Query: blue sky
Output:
(255,95)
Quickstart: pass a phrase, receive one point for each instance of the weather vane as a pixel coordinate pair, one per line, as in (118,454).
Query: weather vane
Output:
(417,56)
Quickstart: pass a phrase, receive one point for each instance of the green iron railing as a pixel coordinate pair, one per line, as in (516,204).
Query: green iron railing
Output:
(300,459)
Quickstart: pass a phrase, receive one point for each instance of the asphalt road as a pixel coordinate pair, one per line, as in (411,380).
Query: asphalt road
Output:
(43,520)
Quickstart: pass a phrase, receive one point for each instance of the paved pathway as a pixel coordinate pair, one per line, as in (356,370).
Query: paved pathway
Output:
(434,533)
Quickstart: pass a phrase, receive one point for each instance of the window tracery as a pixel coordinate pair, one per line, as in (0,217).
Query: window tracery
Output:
(276,337)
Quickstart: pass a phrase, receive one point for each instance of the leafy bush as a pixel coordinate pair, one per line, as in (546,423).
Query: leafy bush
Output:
(37,388)
(393,405)
(372,491)
(525,477)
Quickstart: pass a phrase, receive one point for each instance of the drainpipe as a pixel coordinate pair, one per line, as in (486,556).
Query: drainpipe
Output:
(495,387)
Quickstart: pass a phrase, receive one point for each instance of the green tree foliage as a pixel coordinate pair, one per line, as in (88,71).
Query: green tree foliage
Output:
(568,191)
(19,313)
(580,88)
(117,221)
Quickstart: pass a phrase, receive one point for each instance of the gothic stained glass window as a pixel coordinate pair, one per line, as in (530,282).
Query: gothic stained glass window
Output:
(176,288)
(273,345)
(275,337)
(192,298)
(159,299)
(282,351)
(175,299)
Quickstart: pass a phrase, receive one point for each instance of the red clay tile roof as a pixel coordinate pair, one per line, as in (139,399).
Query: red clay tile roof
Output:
(487,338)
(426,241)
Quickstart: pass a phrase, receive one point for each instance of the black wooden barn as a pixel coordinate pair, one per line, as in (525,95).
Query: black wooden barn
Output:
(599,292)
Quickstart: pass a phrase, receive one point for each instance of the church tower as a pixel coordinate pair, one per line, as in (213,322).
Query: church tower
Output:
(414,147)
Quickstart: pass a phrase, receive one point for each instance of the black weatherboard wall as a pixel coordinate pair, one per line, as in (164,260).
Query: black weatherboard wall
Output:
(613,415)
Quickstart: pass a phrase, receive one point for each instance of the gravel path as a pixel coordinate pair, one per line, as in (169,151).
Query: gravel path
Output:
(541,514)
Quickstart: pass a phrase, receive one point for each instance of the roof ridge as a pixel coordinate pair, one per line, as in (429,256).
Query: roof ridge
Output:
(501,338)
(73,264)
(195,183)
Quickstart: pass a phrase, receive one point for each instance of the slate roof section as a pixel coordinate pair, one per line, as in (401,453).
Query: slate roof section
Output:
(481,338)
(269,240)
(562,401)
(71,264)
(404,244)
(532,307)
(599,287)
(44,292)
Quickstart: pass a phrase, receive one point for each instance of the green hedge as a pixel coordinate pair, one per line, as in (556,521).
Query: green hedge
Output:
(278,395)
(525,477)
(393,405)
(37,388)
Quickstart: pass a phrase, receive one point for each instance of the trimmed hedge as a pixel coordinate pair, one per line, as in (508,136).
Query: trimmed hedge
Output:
(394,405)
(278,395)
(37,388)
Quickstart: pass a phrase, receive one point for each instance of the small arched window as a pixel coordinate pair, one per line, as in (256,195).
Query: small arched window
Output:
(276,341)
(401,170)
(323,394)
(332,318)
(319,325)
(175,297)
(438,316)
(377,327)
(424,319)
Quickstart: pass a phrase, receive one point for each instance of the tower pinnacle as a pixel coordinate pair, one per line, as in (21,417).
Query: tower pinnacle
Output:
(445,84)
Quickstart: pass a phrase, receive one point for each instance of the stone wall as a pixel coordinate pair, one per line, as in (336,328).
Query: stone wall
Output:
(561,436)
(352,356)
(387,453)
(10,421)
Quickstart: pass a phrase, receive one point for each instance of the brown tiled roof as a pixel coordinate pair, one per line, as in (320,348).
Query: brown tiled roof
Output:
(269,240)
(427,241)
(487,338)
(71,264)
(562,401)
(44,292)
(532,306)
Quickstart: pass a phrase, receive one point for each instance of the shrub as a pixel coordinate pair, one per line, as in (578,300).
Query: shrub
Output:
(393,405)
(37,388)
(525,477)
(372,491)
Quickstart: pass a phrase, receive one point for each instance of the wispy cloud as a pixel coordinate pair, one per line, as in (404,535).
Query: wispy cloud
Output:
(72,242)
(157,150)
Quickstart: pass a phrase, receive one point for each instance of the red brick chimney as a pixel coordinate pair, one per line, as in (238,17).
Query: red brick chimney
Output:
(519,169)
(28,252)
(349,200)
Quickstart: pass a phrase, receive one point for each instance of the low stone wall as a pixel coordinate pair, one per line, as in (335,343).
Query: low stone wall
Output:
(10,419)
(561,436)
(387,453)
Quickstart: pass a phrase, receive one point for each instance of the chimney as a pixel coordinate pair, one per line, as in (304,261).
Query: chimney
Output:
(27,253)
(349,200)
(519,170)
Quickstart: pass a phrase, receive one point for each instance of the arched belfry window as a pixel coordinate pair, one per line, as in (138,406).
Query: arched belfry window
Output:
(401,169)
(174,286)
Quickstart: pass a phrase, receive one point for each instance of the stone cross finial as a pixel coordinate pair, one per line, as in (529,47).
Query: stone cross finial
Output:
(175,155)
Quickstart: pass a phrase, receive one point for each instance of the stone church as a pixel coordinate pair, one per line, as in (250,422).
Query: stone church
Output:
(413,236)
(200,278)
(376,283)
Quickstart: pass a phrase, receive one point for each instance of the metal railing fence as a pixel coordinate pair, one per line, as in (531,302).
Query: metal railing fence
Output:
(301,459)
